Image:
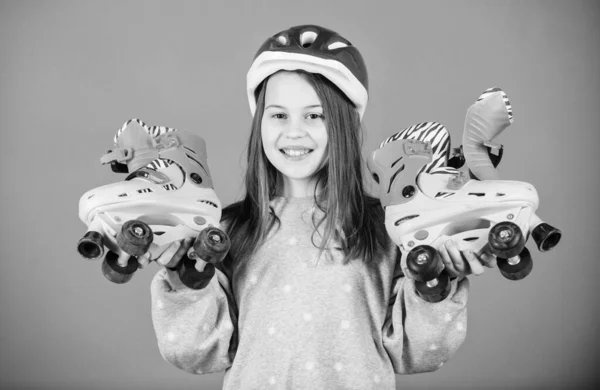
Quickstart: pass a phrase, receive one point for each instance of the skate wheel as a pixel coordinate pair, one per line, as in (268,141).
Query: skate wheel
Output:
(91,246)
(114,272)
(436,293)
(516,271)
(212,245)
(135,237)
(424,263)
(506,239)
(189,275)
(546,236)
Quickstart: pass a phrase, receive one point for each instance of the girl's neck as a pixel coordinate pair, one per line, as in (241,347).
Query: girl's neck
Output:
(298,188)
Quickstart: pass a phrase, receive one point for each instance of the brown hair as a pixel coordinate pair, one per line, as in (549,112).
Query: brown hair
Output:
(351,217)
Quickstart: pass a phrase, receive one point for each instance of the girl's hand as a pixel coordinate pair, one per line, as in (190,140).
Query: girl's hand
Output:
(171,257)
(463,263)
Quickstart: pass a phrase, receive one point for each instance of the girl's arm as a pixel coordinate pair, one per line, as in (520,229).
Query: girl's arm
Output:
(420,336)
(195,329)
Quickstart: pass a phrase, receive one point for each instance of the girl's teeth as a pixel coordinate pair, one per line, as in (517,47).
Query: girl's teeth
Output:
(296,152)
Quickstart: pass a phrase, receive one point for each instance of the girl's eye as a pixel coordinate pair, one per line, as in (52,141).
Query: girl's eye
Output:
(315,116)
(279,116)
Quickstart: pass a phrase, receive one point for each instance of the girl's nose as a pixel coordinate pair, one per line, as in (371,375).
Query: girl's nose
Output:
(295,129)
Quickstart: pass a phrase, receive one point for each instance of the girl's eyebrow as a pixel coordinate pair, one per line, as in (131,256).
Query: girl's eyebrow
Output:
(281,107)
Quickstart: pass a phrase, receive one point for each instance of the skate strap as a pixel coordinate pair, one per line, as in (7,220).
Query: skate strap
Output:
(150,175)
(119,155)
(494,147)
(122,155)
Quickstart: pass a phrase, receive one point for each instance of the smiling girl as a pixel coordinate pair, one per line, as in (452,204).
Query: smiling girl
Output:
(312,294)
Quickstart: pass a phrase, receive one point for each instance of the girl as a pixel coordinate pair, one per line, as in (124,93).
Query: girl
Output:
(311,294)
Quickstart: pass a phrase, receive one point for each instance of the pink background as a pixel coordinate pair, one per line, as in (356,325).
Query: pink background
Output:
(71,73)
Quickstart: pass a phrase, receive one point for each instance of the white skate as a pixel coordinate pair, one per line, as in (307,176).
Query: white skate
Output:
(425,206)
(167,196)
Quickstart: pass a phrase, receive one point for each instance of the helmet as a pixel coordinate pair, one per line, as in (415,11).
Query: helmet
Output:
(316,50)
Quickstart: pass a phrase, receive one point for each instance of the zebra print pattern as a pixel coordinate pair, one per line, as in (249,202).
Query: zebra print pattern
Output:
(492,90)
(154,131)
(439,138)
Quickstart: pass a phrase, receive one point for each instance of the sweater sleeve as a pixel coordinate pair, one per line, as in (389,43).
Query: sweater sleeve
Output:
(420,336)
(195,329)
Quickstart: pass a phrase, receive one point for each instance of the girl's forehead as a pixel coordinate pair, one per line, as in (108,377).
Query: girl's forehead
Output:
(289,89)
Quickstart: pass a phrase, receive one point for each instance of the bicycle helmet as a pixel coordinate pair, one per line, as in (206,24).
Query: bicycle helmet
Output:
(316,50)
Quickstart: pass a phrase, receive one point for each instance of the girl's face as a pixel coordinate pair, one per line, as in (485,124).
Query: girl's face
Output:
(293,131)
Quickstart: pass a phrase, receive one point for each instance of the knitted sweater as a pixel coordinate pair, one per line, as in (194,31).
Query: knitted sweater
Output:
(284,320)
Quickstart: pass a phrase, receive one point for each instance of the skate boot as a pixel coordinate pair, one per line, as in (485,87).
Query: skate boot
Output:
(167,196)
(423,209)
(485,120)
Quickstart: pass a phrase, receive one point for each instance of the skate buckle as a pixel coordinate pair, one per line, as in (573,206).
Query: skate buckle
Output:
(119,155)
(494,147)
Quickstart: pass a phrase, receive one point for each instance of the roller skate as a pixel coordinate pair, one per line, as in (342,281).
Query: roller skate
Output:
(485,120)
(425,205)
(167,196)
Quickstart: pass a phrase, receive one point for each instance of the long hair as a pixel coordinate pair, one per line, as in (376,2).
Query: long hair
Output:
(351,218)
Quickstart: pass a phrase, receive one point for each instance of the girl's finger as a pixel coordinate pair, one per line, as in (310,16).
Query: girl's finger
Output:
(456,257)
(487,258)
(173,254)
(448,263)
(167,258)
(144,260)
(473,261)
(200,264)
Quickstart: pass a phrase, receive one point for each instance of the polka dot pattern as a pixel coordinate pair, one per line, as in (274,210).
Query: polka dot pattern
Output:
(310,317)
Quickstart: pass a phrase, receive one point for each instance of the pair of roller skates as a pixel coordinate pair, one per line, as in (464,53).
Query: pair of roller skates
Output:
(429,199)
(167,196)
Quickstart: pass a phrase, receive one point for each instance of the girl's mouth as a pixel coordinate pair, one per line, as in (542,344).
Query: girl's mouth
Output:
(294,153)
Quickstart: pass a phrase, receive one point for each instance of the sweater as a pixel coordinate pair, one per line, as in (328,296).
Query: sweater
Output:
(286,319)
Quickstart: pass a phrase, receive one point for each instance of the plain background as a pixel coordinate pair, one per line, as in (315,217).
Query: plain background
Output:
(71,73)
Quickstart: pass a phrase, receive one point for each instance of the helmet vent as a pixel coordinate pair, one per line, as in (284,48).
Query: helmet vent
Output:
(282,39)
(336,45)
(307,38)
